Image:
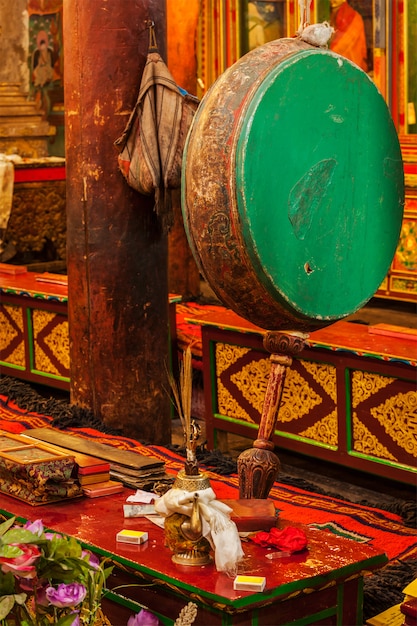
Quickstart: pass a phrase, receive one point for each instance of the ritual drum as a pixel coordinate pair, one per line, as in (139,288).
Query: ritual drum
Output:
(293,187)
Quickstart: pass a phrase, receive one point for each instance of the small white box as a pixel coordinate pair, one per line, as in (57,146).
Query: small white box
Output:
(132,536)
(249,583)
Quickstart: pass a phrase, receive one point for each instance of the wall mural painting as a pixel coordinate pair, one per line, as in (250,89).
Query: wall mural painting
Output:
(46,54)
(352,21)
(266,22)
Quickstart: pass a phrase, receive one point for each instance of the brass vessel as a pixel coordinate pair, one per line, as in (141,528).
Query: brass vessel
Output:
(184,534)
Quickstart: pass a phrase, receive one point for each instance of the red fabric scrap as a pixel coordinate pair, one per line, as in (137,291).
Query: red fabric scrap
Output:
(290,539)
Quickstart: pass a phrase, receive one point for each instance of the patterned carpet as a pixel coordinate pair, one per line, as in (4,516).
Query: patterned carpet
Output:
(384,530)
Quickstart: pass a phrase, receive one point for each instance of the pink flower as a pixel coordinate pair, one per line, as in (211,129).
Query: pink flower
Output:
(143,618)
(51,536)
(35,527)
(22,566)
(92,559)
(66,594)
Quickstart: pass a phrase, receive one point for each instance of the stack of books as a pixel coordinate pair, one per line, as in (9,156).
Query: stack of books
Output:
(112,465)
(34,472)
(92,473)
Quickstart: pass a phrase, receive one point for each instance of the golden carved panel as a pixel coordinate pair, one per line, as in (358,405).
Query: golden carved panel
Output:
(367,443)
(11,327)
(228,405)
(324,374)
(51,342)
(252,381)
(324,431)
(364,385)
(298,398)
(226,355)
(398,416)
(242,379)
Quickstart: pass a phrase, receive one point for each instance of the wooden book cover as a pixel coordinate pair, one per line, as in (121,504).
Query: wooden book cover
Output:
(86,464)
(94,448)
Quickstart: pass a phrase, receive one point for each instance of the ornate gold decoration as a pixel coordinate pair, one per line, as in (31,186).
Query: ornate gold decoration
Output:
(9,334)
(252,381)
(367,443)
(324,431)
(325,375)
(56,340)
(226,355)
(228,405)
(298,398)
(398,416)
(364,385)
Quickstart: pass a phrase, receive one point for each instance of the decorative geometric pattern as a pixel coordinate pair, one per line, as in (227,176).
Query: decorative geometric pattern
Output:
(367,443)
(308,402)
(385,417)
(365,385)
(325,430)
(398,415)
(12,339)
(340,531)
(51,342)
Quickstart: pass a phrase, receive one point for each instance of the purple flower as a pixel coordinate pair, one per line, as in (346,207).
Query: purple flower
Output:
(66,595)
(92,559)
(143,618)
(51,536)
(35,527)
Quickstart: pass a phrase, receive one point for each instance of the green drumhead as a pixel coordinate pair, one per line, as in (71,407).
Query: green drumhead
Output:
(319,185)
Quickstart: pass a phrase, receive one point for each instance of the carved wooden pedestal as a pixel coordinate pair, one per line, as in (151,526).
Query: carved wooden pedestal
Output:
(258,467)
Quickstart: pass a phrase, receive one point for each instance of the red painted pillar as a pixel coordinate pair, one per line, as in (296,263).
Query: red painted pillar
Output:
(116,251)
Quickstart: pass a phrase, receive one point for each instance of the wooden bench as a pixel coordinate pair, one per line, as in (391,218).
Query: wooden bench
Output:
(34,344)
(349,397)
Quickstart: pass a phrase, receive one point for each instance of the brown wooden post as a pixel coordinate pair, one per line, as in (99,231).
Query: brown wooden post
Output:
(117,254)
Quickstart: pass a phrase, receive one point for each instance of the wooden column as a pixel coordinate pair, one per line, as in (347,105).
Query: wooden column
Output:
(116,251)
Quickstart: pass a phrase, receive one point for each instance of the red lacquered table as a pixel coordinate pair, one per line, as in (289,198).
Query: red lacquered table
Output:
(322,585)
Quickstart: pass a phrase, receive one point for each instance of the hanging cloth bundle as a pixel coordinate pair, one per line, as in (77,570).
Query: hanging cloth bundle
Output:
(152,143)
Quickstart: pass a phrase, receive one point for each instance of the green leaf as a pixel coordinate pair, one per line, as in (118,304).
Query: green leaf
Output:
(10,552)
(19,535)
(20,598)
(6,605)
(7,584)
(6,525)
